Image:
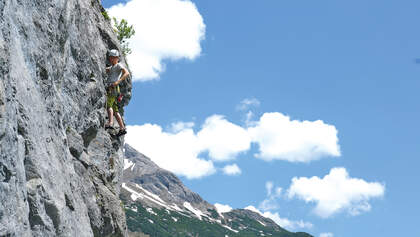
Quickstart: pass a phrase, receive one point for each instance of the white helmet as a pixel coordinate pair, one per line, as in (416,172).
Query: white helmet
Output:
(114,53)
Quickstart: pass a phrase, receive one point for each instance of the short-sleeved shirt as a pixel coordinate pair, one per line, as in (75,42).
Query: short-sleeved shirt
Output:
(114,73)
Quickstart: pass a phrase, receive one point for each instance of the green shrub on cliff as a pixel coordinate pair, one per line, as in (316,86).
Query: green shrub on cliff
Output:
(124,32)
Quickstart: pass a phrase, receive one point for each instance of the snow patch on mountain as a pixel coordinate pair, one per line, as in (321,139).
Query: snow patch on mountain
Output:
(156,197)
(150,210)
(128,163)
(227,227)
(198,213)
(134,195)
(174,206)
(261,223)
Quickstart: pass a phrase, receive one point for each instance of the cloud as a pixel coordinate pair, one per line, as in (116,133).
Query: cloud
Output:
(165,29)
(246,103)
(248,119)
(177,152)
(222,208)
(232,170)
(336,192)
(280,138)
(223,139)
(326,235)
(269,185)
(183,151)
(270,203)
(283,222)
(180,149)
(179,126)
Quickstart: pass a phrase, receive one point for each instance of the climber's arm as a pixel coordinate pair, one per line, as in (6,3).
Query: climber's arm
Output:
(123,77)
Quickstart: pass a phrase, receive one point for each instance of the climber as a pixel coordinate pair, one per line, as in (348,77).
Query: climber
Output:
(116,74)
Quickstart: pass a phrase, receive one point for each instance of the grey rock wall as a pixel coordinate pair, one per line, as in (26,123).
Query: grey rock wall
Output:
(60,171)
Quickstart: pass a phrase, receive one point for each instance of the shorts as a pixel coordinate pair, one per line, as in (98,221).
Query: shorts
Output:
(111,98)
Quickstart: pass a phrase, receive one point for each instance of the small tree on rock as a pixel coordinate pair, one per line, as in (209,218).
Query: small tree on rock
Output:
(124,32)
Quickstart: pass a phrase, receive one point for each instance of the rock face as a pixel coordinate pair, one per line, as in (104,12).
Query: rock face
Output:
(60,171)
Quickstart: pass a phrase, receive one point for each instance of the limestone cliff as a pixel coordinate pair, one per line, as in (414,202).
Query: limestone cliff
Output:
(60,171)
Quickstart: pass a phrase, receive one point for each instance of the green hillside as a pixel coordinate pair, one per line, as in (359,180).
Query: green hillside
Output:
(164,223)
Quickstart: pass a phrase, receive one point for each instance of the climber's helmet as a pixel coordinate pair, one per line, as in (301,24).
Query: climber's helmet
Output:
(114,53)
(113,56)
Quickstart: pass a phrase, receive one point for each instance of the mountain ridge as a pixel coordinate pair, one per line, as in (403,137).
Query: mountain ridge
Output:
(158,204)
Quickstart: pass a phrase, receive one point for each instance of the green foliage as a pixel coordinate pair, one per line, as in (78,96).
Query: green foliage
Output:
(213,213)
(124,32)
(106,16)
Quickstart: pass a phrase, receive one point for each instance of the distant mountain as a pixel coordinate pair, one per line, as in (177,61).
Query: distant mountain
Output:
(157,204)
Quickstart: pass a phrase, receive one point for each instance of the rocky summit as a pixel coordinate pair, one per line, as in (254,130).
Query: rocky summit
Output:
(60,171)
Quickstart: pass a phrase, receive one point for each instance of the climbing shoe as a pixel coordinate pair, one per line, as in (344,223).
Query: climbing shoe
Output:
(121,132)
(109,127)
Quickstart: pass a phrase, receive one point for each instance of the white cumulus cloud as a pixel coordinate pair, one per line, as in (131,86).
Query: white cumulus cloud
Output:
(336,192)
(232,170)
(282,222)
(179,126)
(165,29)
(326,235)
(223,139)
(222,208)
(280,138)
(180,149)
(177,152)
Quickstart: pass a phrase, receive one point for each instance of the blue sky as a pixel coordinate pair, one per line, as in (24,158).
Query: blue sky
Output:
(350,64)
